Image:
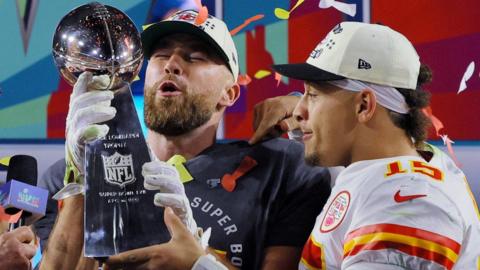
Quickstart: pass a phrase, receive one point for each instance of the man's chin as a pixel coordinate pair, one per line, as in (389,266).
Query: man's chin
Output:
(312,159)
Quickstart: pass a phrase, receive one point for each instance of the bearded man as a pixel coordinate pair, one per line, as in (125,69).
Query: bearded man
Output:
(248,195)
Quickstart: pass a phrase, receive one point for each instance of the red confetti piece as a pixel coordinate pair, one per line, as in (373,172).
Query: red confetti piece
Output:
(229,181)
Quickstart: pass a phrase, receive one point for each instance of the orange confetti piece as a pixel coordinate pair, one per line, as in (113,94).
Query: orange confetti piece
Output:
(278,78)
(244,80)
(448,142)
(437,124)
(202,16)
(246,23)
(15,218)
(3,216)
(202,13)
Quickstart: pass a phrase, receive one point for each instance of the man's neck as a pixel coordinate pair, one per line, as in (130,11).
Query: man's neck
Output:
(188,145)
(380,138)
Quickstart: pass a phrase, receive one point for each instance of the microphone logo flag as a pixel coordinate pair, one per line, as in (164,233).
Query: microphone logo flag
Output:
(118,169)
(26,197)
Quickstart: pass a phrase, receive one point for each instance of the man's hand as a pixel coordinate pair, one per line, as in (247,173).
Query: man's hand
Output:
(15,250)
(89,105)
(273,117)
(180,253)
(164,177)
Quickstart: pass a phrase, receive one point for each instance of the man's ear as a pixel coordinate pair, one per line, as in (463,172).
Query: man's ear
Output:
(366,103)
(230,96)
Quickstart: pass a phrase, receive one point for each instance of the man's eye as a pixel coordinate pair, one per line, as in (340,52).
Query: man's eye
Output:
(197,57)
(309,94)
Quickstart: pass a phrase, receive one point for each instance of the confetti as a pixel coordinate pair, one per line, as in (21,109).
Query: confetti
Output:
(285,14)
(261,74)
(278,78)
(466,76)
(15,218)
(146,26)
(245,23)
(349,9)
(448,142)
(178,161)
(202,16)
(437,124)
(3,216)
(202,13)
(244,80)
(4,161)
(9,218)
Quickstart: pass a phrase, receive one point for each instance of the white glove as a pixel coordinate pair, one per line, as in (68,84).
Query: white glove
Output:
(89,105)
(164,177)
(159,175)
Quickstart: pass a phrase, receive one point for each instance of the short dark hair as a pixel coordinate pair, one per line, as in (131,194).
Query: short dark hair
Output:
(415,122)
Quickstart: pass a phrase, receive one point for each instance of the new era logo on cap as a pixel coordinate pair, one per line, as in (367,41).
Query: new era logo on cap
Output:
(362,64)
(338,29)
(316,53)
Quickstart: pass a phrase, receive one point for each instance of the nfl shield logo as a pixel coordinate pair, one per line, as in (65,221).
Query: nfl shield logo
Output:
(118,169)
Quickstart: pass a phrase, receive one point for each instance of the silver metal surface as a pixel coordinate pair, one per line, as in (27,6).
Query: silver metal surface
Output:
(100,39)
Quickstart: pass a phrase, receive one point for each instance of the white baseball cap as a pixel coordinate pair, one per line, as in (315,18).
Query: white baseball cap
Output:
(360,51)
(213,31)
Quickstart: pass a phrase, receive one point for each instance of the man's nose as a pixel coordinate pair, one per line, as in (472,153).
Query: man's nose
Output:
(300,113)
(173,65)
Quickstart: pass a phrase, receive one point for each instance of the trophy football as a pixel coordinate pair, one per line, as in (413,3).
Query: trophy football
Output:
(119,212)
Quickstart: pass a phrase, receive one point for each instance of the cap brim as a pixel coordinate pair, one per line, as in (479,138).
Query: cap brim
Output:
(305,72)
(153,33)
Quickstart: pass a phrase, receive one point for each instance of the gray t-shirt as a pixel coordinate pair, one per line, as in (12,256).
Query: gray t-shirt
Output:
(274,203)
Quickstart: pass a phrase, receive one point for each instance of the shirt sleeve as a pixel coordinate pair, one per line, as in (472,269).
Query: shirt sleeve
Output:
(301,198)
(405,223)
(52,180)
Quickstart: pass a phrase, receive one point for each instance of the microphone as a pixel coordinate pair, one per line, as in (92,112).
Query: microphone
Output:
(21,193)
(22,168)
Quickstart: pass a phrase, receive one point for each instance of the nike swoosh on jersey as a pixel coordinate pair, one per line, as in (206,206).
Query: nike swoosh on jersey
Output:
(399,198)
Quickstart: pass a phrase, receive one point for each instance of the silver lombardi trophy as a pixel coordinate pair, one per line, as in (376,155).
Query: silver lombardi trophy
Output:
(119,212)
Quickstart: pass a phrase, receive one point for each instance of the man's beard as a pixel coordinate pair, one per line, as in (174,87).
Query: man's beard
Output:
(176,115)
(312,159)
